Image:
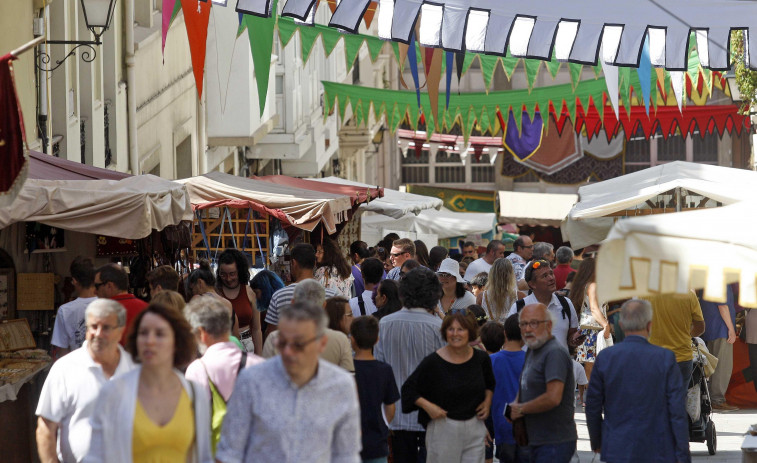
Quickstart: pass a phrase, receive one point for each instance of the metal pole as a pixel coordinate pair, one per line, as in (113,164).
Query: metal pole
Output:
(27,46)
(678,199)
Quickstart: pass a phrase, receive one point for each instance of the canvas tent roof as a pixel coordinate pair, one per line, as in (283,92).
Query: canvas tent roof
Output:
(443,223)
(359,194)
(299,207)
(587,223)
(671,253)
(534,208)
(394,203)
(88,199)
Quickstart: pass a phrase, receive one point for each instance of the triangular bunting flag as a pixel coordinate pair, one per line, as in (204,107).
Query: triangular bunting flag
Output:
(196,18)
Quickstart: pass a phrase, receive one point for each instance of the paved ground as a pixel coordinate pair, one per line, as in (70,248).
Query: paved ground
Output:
(730,430)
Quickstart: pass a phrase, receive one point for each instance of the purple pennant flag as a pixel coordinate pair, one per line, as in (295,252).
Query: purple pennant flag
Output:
(523,145)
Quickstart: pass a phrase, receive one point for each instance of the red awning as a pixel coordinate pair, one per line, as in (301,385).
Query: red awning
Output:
(358,195)
(45,167)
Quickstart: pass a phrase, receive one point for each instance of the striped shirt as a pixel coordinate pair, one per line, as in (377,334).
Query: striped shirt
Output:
(283,297)
(407,337)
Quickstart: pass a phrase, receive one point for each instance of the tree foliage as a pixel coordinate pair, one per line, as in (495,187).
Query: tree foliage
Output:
(746,79)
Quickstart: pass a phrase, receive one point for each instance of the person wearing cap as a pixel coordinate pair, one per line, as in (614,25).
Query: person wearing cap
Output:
(541,281)
(454,296)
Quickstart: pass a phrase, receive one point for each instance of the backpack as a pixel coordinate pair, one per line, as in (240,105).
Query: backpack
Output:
(520,303)
(218,405)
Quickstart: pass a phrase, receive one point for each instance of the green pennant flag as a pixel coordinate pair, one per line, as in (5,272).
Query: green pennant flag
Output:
(343,100)
(509,63)
(374,47)
(260,33)
(488,64)
(532,70)
(575,73)
(175,12)
(329,42)
(287,28)
(468,61)
(624,75)
(351,51)
(553,66)
(308,36)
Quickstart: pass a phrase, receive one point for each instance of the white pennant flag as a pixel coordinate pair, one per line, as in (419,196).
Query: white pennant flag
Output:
(676,81)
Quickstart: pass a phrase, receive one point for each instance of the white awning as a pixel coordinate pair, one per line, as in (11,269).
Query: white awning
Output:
(673,253)
(394,203)
(534,208)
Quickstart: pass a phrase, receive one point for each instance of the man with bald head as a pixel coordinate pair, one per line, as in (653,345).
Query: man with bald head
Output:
(545,399)
(636,372)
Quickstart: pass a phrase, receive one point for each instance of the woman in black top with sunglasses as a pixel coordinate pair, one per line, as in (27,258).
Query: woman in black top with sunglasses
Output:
(452,389)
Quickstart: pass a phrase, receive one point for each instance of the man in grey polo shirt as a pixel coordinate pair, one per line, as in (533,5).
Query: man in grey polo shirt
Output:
(546,391)
(407,337)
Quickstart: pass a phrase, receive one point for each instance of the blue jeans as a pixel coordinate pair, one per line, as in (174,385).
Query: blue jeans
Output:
(553,453)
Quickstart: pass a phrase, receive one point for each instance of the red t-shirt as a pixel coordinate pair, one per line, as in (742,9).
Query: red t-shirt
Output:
(561,274)
(133,307)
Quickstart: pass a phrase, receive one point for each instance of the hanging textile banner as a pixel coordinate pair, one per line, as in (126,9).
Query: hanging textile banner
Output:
(12,156)
(459,200)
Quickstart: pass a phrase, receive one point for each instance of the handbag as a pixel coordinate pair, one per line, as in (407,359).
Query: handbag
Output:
(587,321)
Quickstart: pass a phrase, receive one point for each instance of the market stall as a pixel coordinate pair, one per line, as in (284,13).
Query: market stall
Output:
(673,187)
(256,216)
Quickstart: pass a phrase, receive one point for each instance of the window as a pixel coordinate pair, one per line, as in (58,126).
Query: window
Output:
(482,171)
(184,159)
(449,167)
(705,150)
(671,149)
(415,169)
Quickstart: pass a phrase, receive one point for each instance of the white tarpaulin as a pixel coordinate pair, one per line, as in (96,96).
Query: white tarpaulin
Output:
(672,253)
(443,223)
(129,208)
(534,208)
(394,203)
(587,223)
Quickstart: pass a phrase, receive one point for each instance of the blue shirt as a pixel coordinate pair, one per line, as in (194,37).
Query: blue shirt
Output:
(714,326)
(507,367)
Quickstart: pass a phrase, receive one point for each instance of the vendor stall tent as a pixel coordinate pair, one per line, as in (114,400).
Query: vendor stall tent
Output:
(672,187)
(674,253)
(65,194)
(545,209)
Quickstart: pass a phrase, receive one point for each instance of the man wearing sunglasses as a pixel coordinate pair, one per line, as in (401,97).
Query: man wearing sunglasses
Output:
(523,250)
(402,250)
(310,412)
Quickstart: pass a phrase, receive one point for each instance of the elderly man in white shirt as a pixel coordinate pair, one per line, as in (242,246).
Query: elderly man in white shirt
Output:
(541,280)
(68,395)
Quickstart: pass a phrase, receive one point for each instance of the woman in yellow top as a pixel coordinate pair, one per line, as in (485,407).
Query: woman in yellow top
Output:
(152,414)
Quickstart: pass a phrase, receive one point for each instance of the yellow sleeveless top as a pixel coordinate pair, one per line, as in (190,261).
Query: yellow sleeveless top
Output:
(164,444)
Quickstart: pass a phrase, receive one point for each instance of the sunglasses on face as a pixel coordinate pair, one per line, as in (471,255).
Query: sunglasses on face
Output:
(397,254)
(297,346)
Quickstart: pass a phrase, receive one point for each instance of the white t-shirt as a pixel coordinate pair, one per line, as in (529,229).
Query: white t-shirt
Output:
(579,374)
(476,267)
(370,307)
(562,325)
(68,398)
(70,327)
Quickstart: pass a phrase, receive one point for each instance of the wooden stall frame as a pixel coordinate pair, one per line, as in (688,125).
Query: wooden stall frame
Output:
(226,227)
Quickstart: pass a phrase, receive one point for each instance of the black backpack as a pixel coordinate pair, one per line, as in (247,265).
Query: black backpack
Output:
(520,303)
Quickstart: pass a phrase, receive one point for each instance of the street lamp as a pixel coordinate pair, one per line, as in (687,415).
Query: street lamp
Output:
(97,15)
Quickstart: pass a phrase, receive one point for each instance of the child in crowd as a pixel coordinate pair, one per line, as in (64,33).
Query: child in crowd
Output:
(581,381)
(478,283)
(492,335)
(480,316)
(375,387)
(507,365)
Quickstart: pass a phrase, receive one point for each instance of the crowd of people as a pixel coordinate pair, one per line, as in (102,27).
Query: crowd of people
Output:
(393,352)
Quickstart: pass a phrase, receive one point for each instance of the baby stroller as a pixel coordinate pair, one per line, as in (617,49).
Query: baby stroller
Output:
(698,403)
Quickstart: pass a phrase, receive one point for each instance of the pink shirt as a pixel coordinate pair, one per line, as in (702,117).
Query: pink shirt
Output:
(222,362)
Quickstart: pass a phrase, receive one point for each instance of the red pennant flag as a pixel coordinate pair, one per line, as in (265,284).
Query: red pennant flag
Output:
(15,164)
(196,18)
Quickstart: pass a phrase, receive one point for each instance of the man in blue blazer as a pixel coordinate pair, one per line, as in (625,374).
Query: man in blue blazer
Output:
(638,386)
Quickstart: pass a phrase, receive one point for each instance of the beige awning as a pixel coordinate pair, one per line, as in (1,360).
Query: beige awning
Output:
(534,208)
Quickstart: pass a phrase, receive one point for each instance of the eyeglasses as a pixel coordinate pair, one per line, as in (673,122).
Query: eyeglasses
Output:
(444,276)
(97,285)
(227,275)
(533,324)
(397,254)
(297,346)
(460,311)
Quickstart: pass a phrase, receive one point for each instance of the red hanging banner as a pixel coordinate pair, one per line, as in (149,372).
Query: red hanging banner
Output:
(12,159)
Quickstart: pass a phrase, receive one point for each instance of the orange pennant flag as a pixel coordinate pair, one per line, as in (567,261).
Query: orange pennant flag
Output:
(433,77)
(369,13)
(196,18)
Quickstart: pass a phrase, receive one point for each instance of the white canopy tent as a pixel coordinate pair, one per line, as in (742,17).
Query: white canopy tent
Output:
(688,185)
(673,253)
(534,208)
(442,223)
(396,204)
(129,208)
